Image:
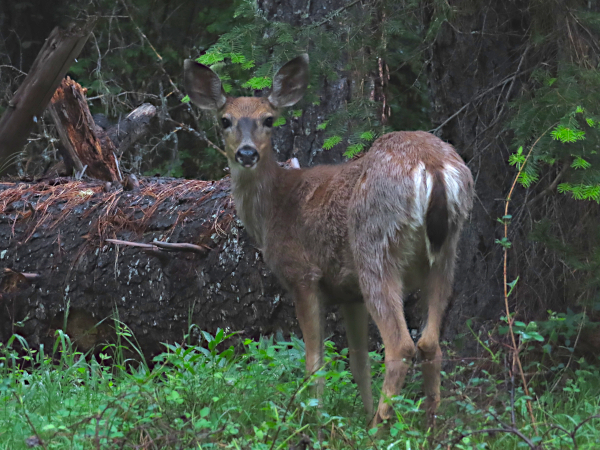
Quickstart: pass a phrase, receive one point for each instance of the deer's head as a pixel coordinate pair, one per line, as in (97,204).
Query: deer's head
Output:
(246,121)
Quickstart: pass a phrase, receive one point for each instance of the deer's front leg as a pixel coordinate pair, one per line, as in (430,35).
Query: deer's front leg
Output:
(356,318)
(308,311)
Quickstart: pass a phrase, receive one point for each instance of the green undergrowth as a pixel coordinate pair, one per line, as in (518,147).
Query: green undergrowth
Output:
(216,396)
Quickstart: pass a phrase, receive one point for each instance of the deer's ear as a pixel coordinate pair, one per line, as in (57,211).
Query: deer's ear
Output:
(203,85)
(290,82)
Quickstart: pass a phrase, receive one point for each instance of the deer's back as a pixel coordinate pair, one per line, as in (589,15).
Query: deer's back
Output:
(334,214)
(399,173)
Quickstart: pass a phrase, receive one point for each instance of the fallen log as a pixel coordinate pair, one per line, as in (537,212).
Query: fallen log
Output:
(60,229)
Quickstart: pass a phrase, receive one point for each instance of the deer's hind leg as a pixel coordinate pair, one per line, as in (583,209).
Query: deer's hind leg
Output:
(435,293)
(382,290)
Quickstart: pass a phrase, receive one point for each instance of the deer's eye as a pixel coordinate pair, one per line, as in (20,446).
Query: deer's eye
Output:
(225,122)
(268,122)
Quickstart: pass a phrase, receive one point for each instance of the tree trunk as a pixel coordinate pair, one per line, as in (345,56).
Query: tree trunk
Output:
(463,65)
(59,234)
(479,61)
(299,137)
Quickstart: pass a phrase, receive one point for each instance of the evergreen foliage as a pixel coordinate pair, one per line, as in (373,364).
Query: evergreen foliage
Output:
(247,57)
(136,54)
(560,107)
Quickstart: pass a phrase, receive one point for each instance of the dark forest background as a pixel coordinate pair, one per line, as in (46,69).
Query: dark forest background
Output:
(489,78)
(513,85)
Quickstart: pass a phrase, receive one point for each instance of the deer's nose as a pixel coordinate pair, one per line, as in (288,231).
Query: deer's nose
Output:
(247,156)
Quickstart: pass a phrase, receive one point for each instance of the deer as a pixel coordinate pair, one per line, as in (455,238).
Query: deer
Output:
(360,234)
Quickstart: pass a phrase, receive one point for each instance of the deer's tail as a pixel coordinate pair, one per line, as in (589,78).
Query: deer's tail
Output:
(436,219)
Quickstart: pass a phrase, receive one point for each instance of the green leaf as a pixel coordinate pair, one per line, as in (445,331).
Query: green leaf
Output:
(527,179)
(512,285)
(367,136)
(248,65)
(580,163)
(516,159)
(331,142)
(581,191)
(354,150)
(258,83)
(504,242)
(280,121)
(209,59)
(567,135)
(186,99)
(237,58)
(323,125)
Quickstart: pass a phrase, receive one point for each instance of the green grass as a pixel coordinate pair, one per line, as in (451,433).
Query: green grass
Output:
(211,396)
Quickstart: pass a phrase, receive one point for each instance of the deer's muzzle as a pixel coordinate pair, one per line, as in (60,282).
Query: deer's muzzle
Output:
(247,156)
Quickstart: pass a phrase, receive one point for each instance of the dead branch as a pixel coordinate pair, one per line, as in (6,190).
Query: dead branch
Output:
(26,275)
(164,246)
(479,96)
(552,185)
(132,128)
(181,247)
(132,244)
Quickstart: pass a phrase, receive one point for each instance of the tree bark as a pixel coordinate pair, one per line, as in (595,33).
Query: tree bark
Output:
(478,63)
(299,137)
(132,128)
(32,97)
(87,144)
(462,66)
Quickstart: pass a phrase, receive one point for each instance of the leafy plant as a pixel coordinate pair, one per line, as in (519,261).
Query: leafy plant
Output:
(209,394)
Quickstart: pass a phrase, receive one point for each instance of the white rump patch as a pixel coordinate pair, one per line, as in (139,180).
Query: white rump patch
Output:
(423,185)
(453,181)
(417,179)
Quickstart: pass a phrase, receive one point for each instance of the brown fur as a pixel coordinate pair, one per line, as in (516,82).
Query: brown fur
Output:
(362,235)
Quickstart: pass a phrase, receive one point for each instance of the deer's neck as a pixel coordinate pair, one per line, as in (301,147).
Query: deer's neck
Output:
(254,194)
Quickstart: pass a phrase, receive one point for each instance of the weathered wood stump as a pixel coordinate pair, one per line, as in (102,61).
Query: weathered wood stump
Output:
(85,142)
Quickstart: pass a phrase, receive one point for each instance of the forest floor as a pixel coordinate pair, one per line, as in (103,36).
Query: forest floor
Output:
(213,395)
